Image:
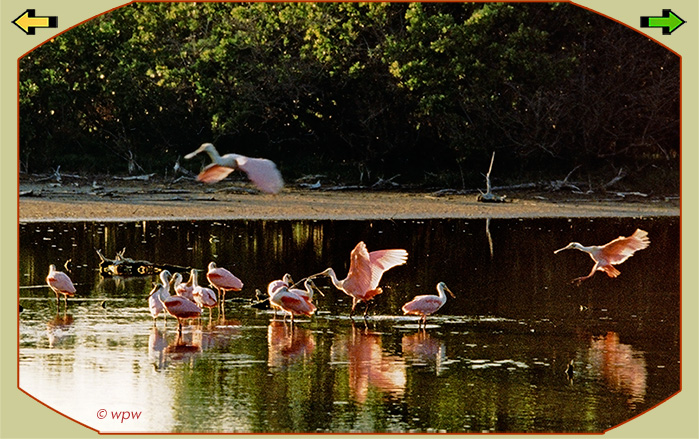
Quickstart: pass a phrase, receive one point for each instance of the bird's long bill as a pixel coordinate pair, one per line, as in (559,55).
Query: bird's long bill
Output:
(561,249)
(193,153)
(313,276)
(449,291)
(315,288)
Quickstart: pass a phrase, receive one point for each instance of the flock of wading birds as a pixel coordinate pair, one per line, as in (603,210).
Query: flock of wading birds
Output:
(362,281)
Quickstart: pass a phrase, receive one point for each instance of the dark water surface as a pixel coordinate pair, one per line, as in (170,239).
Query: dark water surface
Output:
(493,359)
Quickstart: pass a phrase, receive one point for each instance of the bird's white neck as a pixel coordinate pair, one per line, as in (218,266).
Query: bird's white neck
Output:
(213,153)
(333,277)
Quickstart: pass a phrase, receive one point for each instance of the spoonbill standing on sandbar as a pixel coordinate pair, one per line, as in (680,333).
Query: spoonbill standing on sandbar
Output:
(262,172)
(427,304)
(223,280)
(60,283)
(365,271)
(611,253)
(176,306)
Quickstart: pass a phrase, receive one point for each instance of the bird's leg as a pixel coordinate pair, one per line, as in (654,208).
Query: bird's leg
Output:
(366,310)
(578,280)
(354,305)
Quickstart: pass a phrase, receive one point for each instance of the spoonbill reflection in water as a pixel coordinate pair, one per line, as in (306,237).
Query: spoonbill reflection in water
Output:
(262,172)
(612,253)
(365,271)
(427,304)
(60,283)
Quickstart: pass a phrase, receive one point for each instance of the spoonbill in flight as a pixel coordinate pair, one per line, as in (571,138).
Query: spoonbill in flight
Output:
(262,172)
(612,253)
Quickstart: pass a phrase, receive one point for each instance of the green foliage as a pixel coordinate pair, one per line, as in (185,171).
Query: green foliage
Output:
(424,90)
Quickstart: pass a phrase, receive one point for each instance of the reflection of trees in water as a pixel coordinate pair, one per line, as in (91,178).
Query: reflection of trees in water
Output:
(368,366)
(622,367)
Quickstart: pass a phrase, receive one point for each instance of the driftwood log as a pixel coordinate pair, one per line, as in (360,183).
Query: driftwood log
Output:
(122,266)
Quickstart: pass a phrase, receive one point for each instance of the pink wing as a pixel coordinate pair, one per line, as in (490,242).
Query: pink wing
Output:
(155,305)
(275,285)
(223,278)
(297,305)
(384,260)
(358,279)
(622,248)
(214,173)
(263,173)
(367,268)
(181,307)
(423,305)
(184,291)
(61,282)
(204,297)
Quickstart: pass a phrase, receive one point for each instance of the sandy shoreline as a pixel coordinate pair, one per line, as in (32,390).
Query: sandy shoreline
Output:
(132,201)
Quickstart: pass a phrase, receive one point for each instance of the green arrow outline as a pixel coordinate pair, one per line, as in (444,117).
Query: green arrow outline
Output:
(669,22)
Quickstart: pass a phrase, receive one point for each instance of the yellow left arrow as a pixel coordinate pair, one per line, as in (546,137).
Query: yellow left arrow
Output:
(28,21)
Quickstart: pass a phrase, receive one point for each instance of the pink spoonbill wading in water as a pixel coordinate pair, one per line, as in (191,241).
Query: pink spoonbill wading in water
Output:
(365,271)
(61,284)
(176,306)
(223,280)
(204,297)
(427,304)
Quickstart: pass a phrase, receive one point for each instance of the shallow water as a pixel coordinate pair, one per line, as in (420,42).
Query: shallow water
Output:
(493,359)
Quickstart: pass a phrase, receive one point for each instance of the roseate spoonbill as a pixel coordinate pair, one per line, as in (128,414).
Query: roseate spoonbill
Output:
(60,283)
(181,288)
(611,253)
(176,306)
(273,286)
(262,172)
(427,304)
(204,297)
(365,271)
(223,280)
(154,304)
(292,303)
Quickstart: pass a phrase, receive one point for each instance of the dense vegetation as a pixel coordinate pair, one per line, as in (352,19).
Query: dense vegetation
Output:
(357,92)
